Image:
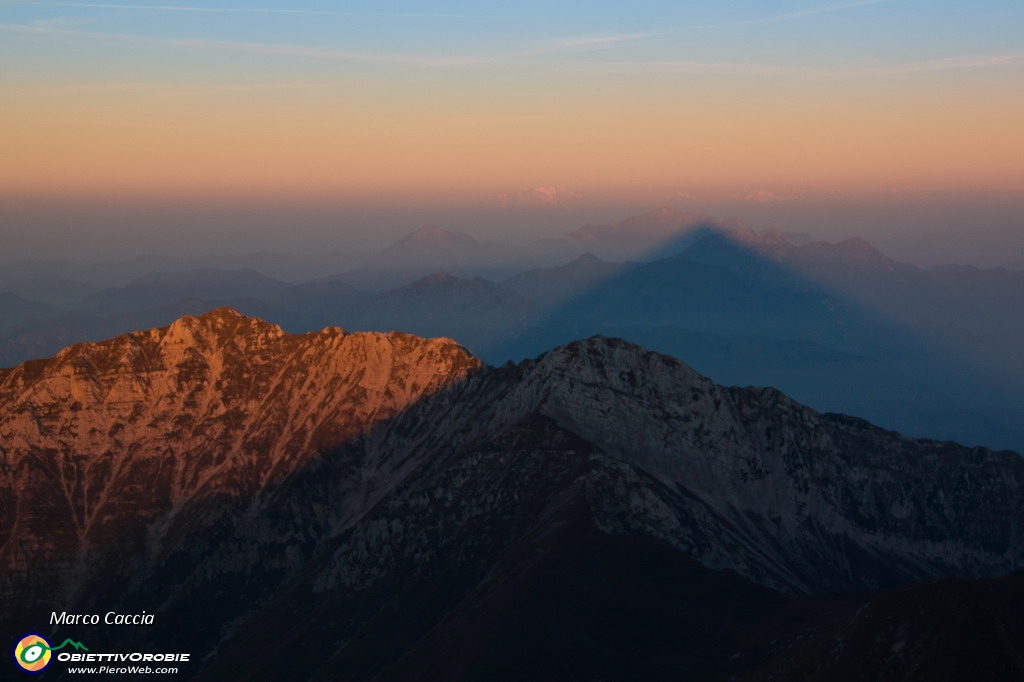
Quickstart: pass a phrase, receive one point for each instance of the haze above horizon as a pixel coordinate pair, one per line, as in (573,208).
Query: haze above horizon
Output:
(785,114)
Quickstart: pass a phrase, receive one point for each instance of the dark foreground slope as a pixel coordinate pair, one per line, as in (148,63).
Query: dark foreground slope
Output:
(340,506)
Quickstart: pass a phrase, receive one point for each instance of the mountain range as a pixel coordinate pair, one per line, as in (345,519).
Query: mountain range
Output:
(337,505)
(930,352)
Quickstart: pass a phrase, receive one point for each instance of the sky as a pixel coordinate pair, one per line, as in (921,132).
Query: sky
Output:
(457,96)
(524,102)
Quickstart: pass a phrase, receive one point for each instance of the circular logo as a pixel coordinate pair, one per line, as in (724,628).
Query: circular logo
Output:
(32,653)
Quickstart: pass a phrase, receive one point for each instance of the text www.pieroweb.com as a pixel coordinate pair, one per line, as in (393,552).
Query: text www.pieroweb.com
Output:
(122,670)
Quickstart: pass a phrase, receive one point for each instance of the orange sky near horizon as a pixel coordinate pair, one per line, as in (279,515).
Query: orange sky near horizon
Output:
(335,139)
(112,112)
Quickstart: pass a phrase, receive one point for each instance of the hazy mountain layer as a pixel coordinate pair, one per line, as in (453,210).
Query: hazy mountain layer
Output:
(840,326)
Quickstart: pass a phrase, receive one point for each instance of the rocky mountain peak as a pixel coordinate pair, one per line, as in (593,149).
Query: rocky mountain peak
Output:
(602,355)
(128,431)
(221,326)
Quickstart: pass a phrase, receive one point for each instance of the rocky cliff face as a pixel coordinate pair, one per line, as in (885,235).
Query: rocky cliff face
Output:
(749,480)
(740,479)
(323,505)
(110,448)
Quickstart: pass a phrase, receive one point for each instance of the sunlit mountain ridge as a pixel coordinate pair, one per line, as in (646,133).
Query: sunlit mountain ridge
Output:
(839,325)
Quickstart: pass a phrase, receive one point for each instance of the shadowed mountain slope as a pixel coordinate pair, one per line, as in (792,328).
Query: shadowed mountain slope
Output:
(939,347)
(332,505)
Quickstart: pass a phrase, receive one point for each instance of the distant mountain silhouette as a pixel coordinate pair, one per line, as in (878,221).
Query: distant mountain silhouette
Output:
(49,288)
(478,312)
(311,305)
(941,342)
(549,287)
(652,234)
(940,315)
(158,289)
(841,326)
(431,249)
(15,310)
(93,276)
(432,236)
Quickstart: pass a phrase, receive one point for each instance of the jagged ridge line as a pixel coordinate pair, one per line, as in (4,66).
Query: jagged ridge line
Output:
(78,647)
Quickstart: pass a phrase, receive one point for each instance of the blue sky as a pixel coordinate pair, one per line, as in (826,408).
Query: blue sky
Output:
(846,35)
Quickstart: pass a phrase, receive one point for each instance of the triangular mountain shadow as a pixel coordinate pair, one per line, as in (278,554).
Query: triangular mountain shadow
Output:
(839,326)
